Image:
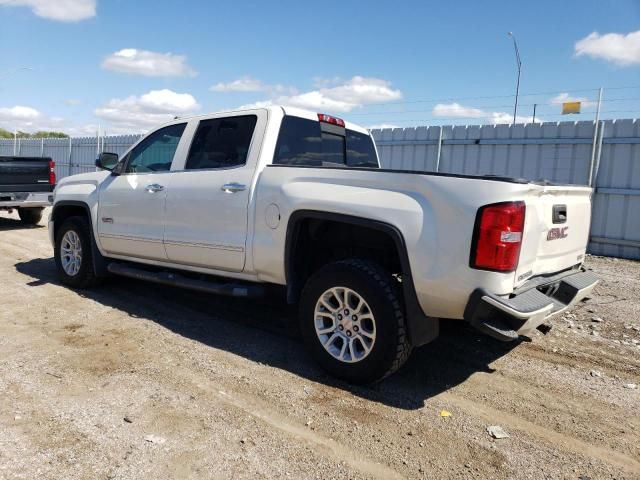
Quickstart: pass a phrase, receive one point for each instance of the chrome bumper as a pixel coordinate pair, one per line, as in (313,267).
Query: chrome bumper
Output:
(25,199)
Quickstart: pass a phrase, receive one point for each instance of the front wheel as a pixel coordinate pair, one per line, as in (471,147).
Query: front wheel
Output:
(73,253)
(30,216)
(352,320)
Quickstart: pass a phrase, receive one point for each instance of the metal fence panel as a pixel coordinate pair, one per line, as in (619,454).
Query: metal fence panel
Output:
(560,152)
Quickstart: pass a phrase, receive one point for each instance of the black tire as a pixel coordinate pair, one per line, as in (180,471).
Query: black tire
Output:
(391,347)
(85,277)
(30,216)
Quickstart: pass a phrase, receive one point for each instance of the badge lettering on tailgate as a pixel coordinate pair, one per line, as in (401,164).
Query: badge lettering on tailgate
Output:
(556,233)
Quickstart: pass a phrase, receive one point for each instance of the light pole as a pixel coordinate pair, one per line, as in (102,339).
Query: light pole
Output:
(519,64)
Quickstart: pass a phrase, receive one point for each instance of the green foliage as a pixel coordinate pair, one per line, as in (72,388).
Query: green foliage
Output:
(40,134)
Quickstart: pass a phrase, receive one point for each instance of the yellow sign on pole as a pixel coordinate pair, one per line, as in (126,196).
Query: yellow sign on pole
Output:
(571,107)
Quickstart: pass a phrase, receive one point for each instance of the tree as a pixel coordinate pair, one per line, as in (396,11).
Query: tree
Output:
(39,134)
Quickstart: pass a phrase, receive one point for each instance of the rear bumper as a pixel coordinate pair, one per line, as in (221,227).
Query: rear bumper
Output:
(25,199)
(507,318)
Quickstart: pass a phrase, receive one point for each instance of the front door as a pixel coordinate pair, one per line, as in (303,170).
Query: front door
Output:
(131,206)
(207,204)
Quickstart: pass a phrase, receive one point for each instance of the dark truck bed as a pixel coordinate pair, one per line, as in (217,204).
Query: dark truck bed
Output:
(26,184)
(25,175)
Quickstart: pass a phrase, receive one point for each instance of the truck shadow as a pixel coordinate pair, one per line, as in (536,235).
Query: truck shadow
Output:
(7,223)
(266,332)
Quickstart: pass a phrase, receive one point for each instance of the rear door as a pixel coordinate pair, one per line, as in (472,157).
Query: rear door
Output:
(131,206)
(207,205)
(557,223)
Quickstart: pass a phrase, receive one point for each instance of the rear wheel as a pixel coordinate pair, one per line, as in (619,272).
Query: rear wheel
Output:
(352,320)
(30,216)
(73,253)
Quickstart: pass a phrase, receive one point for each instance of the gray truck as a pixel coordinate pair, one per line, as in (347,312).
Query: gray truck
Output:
(26,185)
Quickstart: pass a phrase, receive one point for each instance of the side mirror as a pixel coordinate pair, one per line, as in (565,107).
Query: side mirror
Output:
(107,161)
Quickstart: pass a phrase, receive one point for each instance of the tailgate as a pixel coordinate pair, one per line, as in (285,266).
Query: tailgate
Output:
(24,174)
(557,223)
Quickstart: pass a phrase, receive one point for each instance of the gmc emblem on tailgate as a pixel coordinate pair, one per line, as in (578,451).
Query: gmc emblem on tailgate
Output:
(557,232)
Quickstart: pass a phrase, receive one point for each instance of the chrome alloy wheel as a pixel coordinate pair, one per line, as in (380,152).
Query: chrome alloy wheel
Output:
(345,324)
(71,253)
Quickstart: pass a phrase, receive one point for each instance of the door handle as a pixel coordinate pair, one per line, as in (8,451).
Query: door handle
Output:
(154,187)
(233,187)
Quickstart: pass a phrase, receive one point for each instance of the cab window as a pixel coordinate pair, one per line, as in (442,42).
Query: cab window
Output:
(221,143)
(304,142)
(155,153)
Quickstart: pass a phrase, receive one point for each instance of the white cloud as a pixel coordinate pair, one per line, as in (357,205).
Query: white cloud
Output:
(460,111)
(142,112)
(457,110)
(621,49)
(343,97)
(382,125)
(565,97)
(60,10)
(19,113)
(150,64)
(498,118)
(28,119)
(242,84)
(72,102)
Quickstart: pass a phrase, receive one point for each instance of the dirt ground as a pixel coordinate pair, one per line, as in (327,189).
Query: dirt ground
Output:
(133,380)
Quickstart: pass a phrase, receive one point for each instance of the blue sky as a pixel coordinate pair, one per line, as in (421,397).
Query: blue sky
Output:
(127,66)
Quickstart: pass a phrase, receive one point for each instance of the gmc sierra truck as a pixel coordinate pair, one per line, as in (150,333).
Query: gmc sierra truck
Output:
(235,202)
(26,184)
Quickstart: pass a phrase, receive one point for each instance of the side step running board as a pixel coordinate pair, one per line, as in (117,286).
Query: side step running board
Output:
(177,280)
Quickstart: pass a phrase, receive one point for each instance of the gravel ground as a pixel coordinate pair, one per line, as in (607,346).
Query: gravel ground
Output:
(133,380)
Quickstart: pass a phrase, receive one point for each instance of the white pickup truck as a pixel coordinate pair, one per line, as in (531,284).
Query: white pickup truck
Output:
(231,202)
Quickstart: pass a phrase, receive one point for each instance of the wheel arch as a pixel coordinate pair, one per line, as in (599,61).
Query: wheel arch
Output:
(71,208)
(421,328)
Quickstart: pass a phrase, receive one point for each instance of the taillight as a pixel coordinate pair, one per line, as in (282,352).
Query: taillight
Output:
(52,172)
(323,117)
(497,236)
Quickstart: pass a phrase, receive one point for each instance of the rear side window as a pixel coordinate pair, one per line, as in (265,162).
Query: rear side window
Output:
(303,142)
(360,150)
(221,143)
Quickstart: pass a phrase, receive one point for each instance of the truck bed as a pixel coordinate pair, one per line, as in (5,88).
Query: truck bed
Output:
(26,182)
(24,174)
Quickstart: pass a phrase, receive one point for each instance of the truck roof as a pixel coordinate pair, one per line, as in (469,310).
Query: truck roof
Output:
(292,111)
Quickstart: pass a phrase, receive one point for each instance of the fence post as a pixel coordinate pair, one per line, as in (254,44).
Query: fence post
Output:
(42,147)
(599,154)
(69,156)
(596,125)
(439,149)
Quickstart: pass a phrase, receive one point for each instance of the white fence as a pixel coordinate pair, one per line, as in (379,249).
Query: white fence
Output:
(560,152)
(72,155)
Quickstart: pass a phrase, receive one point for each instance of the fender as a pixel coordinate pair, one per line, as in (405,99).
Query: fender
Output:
(99,261)
(421,328)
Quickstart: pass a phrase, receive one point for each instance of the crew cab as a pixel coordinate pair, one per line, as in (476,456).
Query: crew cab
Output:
(26,185)
(232,203)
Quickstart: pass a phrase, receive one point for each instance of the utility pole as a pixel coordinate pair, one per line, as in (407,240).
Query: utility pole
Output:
(534,113)
(519,65)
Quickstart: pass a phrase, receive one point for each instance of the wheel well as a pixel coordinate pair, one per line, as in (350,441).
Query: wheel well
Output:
(314,242)
(62,212)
